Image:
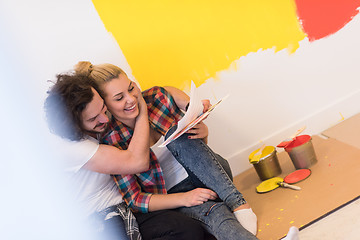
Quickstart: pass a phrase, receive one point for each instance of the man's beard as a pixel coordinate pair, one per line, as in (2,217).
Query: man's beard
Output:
(98,132)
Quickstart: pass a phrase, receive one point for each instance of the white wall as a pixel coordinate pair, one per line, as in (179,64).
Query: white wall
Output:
(271,94)
(33,203)
(274,94)
(37,40)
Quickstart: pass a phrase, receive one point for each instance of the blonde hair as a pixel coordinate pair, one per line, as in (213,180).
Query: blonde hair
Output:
(100,73)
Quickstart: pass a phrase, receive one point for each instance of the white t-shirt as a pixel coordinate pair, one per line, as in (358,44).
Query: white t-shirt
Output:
(94,191)
(173,171)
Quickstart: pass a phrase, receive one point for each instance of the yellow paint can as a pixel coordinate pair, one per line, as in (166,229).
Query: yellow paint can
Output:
(268,166)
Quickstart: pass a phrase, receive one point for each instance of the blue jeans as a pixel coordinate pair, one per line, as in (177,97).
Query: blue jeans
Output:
(205,168)
(216,216)
(208,169)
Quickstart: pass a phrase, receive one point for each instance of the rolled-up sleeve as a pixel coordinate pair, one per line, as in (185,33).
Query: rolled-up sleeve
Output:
(137,200)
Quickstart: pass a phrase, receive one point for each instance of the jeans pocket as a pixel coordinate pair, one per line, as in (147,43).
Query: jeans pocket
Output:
(211,208)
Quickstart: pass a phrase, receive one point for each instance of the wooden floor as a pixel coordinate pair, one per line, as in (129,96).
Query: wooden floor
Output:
(333,183)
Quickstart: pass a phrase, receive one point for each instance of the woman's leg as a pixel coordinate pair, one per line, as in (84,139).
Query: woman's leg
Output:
(218,220)
(224,163)
(198,212)
(169,225)
(200,161)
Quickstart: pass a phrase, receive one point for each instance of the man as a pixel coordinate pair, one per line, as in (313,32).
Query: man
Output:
(76,112)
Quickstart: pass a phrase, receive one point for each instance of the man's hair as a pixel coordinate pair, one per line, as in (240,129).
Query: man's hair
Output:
(66,100)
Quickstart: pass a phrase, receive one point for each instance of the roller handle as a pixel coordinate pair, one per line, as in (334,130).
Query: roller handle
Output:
(286,185)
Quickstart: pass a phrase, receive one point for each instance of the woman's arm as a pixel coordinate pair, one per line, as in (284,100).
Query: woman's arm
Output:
(111,160)
(181,98)
(185,199)
(139,201)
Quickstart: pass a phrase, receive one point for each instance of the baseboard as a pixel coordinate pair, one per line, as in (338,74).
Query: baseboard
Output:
(315,123)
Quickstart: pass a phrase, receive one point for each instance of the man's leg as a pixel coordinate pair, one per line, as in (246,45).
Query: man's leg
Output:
(169,225)
(114,228)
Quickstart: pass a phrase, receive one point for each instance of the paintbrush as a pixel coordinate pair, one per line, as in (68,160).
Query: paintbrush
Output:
(287,141)
(257,155)
(285,185)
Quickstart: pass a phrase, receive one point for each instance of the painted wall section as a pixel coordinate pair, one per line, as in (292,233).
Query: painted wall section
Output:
(322,18)
(173,42)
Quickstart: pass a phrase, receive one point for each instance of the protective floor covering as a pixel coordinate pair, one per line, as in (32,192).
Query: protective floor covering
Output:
(332,183)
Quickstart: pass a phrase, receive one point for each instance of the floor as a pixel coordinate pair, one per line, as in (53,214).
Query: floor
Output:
(328,205)
(341,224)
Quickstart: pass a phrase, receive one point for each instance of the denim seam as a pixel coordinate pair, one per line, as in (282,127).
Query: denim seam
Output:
(240,199)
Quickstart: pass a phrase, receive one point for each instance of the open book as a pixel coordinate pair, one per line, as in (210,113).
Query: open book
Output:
(193,115)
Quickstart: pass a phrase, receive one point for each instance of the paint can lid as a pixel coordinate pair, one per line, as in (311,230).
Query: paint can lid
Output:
(268,150)
(298,141)
(297,176)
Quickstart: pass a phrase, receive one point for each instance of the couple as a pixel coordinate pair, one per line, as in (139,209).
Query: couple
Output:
(168,200)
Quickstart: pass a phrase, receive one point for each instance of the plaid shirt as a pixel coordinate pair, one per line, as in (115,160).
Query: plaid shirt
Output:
(163,114)
(122,210)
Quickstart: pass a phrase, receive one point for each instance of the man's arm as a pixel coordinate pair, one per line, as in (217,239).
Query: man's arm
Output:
(111,160)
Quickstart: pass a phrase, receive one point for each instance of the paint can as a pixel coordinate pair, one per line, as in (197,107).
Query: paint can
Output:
(268,165)
(301,152)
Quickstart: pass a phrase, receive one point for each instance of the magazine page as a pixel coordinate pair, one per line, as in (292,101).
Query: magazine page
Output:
(193,115)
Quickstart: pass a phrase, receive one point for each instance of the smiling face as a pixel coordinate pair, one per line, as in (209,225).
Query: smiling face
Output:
(121,99)
(94,118)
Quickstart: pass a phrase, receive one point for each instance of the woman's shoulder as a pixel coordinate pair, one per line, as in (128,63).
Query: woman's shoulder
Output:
(154,91)
(157,95)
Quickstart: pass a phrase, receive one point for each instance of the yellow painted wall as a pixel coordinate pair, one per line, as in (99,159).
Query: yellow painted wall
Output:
(172,42)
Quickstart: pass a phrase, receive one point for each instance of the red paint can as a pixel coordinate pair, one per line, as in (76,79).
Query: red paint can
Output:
(301,152)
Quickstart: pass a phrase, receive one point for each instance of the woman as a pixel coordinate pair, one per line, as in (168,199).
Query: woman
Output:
(146,192)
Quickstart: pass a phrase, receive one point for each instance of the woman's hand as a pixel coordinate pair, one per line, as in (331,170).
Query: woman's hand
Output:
(206,103)
(198,196)
(182,199)
(200,130)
